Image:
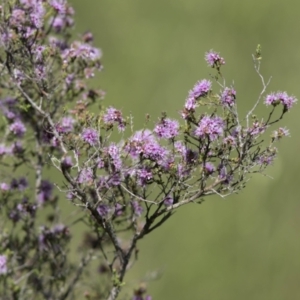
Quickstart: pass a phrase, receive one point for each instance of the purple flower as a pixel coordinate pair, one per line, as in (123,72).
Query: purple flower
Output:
(8,106)
(137,141)
(235,132)
(14,215)
(190,104)
(4,186)
(118,209)
(155,152)
(280,97)
(90,136)
(4,150)
(66,125)
(167,128)
(69,80)
(9,114)
(137,208)
(182,171)
(168,201)
(229,140)
(200,89)
(38,53)
(83,51)
(180,147)
(88,37)
(59,5)
(214,59)
(14,184)
(103,210)
(18,75)
(144,143)
(106,182)
(54,42)
(144,175)
(67,162)
(272,99)
(187,154)
(113,115)
(17,148)
(58,23)
(228,97)
(256,129)
(191,156)
(30,4)
(35,11)
(90,52)
(3,264)
(45,191)
(289,102)
(100,163)
(17,128)
(53,237)
(40,72)
(211,127)
(89,73)
(167,162)
(209,168)
(85,175)
(23,209)
(60,229)
(114,180)
(223,174)
(5,38)
(281,132)
(186,113)
(18,18)
(37,15)
(114,153)
(103,183)
(43,238)
(266,159)
(20,184)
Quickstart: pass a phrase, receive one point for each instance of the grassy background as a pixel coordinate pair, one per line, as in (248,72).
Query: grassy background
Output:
(246,246)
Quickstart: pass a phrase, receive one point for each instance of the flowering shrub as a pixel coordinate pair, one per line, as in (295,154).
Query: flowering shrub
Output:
(122,190)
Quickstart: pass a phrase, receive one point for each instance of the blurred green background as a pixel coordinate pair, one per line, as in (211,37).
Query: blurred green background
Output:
(246,246)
